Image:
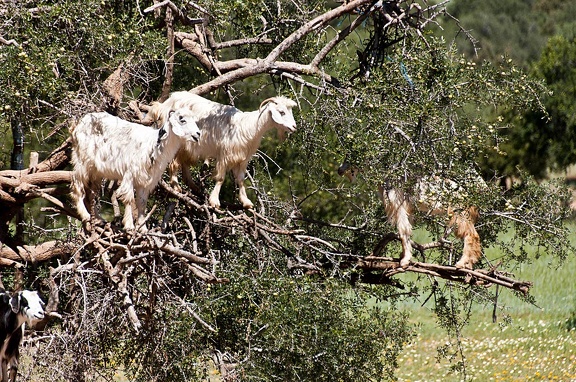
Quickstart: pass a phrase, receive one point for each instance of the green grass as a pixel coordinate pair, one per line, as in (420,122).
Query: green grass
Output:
(526,350)
(533,346)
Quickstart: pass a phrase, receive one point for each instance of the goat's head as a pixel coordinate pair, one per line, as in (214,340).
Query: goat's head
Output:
(29,304)
(183,124)
(281,112)
(349,171)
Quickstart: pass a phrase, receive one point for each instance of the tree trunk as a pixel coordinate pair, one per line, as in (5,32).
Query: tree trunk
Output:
(17,163)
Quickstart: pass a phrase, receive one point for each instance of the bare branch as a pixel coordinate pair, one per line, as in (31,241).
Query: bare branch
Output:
(269,63)
(391,267)
(179,14)
(8,42)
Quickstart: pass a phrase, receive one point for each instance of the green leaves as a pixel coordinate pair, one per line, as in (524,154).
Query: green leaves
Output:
(318,331)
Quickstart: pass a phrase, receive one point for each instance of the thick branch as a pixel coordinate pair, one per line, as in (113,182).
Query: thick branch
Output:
(173,8)
(167,85)
(390,267)
(57,160)
(269,63)
(38,179)
(247,67)
(35,254)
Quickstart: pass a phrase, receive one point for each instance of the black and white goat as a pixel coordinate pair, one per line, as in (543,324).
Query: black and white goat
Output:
(15,311)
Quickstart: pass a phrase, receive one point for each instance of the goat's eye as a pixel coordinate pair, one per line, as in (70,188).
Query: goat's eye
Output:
(282,113)
(182,120)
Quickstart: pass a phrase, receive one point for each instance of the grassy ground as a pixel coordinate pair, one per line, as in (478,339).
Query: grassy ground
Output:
(534,346)
(530,349)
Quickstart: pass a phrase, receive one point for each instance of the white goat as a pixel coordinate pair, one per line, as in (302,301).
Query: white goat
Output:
(399,206)
(15,310)
(229,136)
(107,147)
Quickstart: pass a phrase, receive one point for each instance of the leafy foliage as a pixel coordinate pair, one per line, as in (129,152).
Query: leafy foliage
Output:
(282,307)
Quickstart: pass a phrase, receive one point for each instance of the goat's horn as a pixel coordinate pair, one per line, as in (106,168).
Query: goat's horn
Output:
(263,103)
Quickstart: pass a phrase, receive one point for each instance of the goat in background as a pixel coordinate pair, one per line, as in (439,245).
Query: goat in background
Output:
(15,311)
(400,204)
(229,136)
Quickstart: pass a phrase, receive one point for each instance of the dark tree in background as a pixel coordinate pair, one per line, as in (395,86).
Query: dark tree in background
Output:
(538,36)
(289,290)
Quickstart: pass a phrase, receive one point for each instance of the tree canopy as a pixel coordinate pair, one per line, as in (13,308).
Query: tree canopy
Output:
(301,287)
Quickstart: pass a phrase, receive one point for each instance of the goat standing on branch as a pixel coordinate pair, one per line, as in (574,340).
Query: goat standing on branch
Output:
(399,206)
(229,136)
(105,146)
(15,311)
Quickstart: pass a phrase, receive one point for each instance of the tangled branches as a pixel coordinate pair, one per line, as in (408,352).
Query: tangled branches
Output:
(113,289)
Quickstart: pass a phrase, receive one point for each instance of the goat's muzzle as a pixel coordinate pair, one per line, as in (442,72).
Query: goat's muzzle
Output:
(194,137)
(348,171)
(343,168)
(37,315)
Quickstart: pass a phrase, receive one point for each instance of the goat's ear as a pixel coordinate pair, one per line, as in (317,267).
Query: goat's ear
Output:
(277,116)
(15,303)
(177,126)
(178,130)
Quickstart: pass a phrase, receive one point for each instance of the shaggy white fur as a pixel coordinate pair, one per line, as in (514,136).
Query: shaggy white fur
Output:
(229,136)
(107,147)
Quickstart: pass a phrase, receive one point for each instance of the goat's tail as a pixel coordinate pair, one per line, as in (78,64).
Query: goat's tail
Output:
(158,113)
(72,123)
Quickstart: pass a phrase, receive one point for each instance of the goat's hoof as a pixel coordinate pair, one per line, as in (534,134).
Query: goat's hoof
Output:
(404,263)
(463,265)
(87,225)
(214,203)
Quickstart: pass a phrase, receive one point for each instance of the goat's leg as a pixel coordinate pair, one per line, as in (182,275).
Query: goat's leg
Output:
(466,231)
(126,194)
(4,369)
(141,200)
(219,176)
(188,179)
(80,198)
(398,212)
(128,219)
(214,199)
(91,200)
(173,168)
(405,232)
(239,175)
(114,200)
(13,367)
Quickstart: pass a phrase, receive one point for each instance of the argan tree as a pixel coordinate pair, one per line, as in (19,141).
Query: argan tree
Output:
(284,291)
